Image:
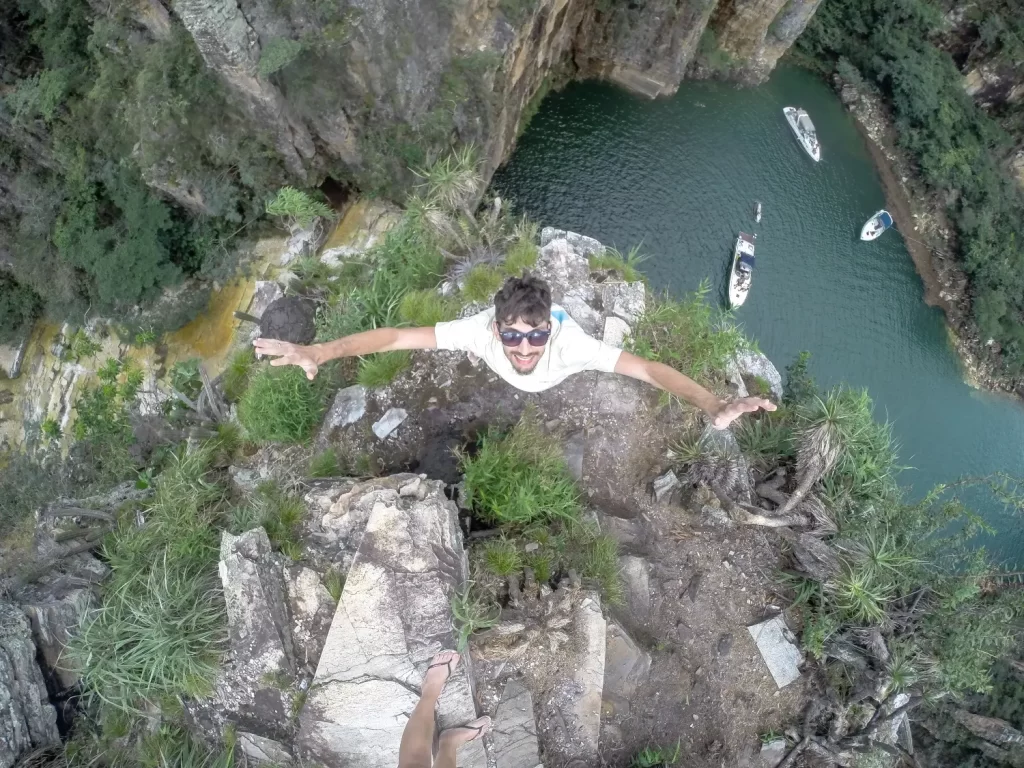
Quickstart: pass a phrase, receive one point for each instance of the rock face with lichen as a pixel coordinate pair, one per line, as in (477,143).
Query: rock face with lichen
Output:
(420,73)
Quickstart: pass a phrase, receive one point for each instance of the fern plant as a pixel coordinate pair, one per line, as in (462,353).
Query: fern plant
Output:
(297,208)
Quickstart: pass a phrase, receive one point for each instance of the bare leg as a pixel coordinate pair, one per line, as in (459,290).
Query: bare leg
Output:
(453,738)
(416,750)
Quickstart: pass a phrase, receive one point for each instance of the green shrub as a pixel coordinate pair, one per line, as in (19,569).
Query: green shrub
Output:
(482,282)
(334,581)
(625,267)
(381,369)
(278,54)
(371,296)
(160,627)
(426,307)
(470,614)
(186,379)
(688,335)
(596,557)
(81,346)
(655,757)
(281,516)
(297,208)
(502,557)
(51,429)
(521,477)
(280,405)
(236,376)
(522,256)
(325,464)
(19,308)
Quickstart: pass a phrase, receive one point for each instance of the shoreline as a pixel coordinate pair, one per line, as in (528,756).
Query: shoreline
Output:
(931,241)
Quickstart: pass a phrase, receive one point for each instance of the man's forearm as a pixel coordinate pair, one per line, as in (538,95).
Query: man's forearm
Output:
(365,343)
(680,385)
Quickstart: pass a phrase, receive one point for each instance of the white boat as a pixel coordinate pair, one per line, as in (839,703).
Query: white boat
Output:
(757,212)
(742,269)
(876,225)
(804,131)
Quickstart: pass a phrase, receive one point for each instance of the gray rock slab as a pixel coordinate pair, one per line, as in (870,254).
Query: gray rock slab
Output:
(348,407)
(577,305)
(514,735)
(389,422)
(635,575)
(565,268)
(394,615)
(27,719)
(772,753)
(665,485)
(254,594)
(626,666)
(750,363)
(54,620)
(615,331)
(262,749)
(312,609)
(580,243)
(265,294)
(778,649)
(626,300)
(574,701)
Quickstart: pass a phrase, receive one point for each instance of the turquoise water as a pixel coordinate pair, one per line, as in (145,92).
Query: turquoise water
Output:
(680,176)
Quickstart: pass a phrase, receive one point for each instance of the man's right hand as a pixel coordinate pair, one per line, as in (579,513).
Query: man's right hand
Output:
(286,353)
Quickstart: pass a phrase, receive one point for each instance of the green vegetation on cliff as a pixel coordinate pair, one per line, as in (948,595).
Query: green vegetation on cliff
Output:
(961,151)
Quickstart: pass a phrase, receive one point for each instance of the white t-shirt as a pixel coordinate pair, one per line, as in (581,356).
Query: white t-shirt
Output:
(569,349)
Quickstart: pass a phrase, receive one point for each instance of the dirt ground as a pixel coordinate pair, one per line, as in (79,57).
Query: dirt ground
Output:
(708,689)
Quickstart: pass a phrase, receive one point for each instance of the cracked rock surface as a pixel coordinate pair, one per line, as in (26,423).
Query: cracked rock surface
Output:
(394,615)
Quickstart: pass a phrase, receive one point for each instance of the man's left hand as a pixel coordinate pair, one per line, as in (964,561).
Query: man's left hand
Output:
(731,411)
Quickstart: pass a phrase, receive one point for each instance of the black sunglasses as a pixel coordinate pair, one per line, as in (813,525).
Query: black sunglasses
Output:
(536,337)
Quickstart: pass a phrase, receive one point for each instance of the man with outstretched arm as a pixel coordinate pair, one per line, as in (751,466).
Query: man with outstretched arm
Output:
(527,341)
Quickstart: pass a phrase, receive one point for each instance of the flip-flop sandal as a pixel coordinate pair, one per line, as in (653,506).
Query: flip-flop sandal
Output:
(478,728)
(448,664)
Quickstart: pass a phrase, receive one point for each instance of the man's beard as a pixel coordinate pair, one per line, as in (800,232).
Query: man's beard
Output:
(520,371)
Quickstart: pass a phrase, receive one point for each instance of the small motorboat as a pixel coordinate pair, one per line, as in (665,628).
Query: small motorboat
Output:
(742,269)
(876,225)
(757,212)
(804,131)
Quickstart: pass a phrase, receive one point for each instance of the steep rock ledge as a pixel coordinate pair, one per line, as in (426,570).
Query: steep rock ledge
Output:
(425,71)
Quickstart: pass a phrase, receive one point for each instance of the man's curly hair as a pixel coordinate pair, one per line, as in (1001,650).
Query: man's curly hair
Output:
(525,298)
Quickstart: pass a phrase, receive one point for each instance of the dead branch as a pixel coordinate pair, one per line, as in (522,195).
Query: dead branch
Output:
(744,514)
(771,493)
(92,514)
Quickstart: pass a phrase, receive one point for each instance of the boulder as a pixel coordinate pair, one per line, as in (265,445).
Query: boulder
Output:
(289,318)
(27,719)
(394,615)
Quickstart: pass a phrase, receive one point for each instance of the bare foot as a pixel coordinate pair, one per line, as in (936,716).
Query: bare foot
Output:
(440,669)
(455,737)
